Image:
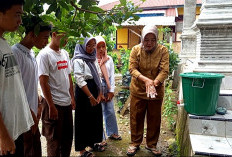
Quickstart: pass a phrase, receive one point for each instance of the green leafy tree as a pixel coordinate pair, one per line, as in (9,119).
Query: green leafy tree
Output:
(115,60)
(173,57)
(125,55)
(77,19)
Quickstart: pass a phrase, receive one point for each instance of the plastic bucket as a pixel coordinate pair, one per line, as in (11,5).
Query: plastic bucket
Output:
(200,92)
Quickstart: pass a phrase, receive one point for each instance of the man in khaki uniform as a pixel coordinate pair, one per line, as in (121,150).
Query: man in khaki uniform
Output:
(149,67)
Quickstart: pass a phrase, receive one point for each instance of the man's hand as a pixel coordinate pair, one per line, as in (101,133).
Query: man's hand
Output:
(35,126)
(39,111)
(7,145)
(73,103)
(53,113)
(110,96)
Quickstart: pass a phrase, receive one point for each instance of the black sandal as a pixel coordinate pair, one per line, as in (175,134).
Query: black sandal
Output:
(115,137)
(87,154)
(98,148)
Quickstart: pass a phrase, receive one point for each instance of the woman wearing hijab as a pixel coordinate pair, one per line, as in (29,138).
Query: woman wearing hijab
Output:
(107,68)
(88,95)
(149,67)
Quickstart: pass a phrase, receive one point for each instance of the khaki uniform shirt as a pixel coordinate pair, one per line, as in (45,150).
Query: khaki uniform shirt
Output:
(153,65)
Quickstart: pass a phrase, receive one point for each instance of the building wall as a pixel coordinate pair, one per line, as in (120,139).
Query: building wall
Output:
(127,39)
(133,38)
(176,46)
(181,11)
(122,38)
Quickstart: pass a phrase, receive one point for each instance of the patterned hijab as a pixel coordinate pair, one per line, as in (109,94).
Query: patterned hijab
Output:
(80,53)
(102,59)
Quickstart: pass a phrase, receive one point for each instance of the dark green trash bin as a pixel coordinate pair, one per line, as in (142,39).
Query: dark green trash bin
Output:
(201,91)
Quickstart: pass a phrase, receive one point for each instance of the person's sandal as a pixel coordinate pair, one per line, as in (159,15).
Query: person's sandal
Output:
(154,151)
(104,143)
(115,137)
(98,147)
(87,154)
(132,150)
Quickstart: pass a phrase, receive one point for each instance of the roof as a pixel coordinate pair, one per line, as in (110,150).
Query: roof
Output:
(150,4)
(156,20)
(171,12)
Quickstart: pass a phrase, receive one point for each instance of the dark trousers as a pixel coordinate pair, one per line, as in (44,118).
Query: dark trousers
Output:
(19,148)
(58,133)
(32,144)
(138,108)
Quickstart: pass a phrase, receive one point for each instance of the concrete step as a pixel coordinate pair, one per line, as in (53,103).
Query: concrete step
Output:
(211,145)
(217,125)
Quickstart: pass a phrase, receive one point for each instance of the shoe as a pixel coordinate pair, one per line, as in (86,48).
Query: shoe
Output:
(87,154)
(115,137)
(104,143)
(98,147)
(154,151)
(132,150)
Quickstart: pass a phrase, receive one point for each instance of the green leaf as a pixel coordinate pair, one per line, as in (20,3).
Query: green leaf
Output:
(58,13)
(96,9)
(28,4)
(85,4)
(64,5)
(87,15)
(123,2)
(48,18)
(52,8)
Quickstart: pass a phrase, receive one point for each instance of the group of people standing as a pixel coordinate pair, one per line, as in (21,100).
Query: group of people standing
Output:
(21,106)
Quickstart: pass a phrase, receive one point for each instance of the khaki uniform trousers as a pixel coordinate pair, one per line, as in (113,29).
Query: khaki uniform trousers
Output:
(138,109)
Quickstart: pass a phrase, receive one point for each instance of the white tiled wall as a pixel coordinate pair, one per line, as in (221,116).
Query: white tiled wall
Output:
(226,83)
(225,101)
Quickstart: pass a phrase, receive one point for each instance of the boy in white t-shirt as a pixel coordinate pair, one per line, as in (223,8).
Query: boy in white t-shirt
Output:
(25,57)
(15,115)
(57,87)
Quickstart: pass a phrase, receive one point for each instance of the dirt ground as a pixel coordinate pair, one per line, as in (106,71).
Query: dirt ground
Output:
(119,148)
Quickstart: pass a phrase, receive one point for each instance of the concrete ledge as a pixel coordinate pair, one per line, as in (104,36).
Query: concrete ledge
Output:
(211,145)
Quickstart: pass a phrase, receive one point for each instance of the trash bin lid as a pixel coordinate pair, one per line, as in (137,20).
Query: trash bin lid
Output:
(202,75)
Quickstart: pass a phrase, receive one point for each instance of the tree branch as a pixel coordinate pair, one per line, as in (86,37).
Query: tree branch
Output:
(74,16)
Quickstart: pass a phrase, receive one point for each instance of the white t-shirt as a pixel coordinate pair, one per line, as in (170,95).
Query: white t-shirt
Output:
(13,101)
(57,67)
(29,70)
